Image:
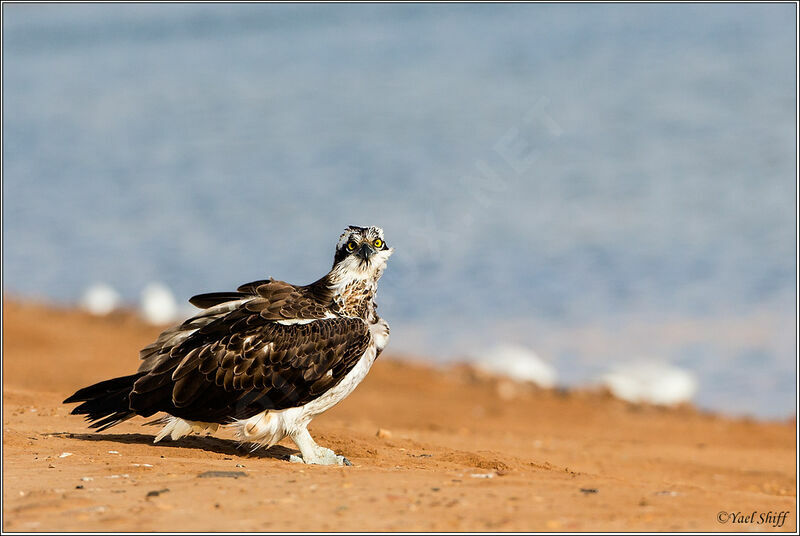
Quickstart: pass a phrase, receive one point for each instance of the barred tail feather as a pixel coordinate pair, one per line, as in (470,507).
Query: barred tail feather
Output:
(107,403)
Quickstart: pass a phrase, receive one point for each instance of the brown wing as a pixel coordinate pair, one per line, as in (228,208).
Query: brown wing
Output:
(245,362)
(154,354)
(272,299)
(278,300)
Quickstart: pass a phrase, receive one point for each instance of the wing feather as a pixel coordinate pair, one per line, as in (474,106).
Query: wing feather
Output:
(204,301)
(250,288)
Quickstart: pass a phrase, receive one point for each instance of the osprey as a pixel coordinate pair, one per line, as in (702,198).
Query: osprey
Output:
(263,360)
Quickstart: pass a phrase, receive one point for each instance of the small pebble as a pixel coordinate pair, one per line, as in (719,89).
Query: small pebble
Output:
(221,474)
(669,493)
(64,454)
(588,490)
(383,433)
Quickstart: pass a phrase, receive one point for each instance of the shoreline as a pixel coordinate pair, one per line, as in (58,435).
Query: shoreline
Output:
(434,448)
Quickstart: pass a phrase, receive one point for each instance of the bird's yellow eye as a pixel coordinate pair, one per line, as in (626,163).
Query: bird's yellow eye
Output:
(351,246)
(377,242)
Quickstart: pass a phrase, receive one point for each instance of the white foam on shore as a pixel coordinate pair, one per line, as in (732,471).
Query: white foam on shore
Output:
(652,382)
(518,363)
(100,299)
(158,305)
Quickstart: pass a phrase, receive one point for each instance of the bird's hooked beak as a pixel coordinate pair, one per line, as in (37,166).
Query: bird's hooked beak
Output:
(365,252)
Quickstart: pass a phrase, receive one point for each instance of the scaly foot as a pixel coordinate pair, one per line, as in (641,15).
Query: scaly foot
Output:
(321,456)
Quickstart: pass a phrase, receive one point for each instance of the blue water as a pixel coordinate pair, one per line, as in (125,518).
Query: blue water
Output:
(599,182)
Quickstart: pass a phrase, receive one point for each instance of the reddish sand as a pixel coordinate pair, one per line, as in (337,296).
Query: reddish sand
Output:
(459,452)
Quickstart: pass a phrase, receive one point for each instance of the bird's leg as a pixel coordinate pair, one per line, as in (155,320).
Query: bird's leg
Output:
(313,453)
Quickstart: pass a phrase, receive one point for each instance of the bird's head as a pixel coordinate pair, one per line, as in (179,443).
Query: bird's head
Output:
(361,253)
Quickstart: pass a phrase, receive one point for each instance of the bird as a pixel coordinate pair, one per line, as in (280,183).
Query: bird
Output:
(263,360)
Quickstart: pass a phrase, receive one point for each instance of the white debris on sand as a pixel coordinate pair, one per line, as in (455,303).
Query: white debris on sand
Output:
(100,299)
(158,305)
(652,382)
(518,363)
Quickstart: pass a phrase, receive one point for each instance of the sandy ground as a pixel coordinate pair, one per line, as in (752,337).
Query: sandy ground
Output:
(459,452)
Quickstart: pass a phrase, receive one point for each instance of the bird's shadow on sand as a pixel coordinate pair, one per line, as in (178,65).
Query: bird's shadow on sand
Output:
(213,444)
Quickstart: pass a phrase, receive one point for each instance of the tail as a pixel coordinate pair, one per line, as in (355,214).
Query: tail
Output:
(107,403)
